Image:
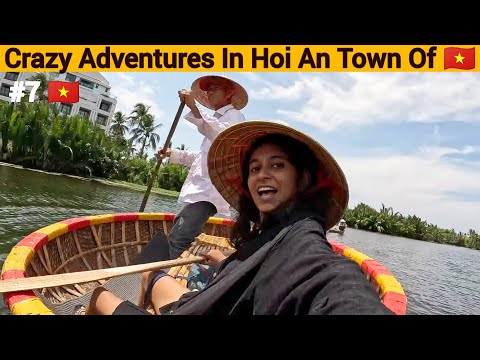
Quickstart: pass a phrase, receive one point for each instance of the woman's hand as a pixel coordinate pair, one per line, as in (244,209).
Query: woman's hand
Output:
(214,257)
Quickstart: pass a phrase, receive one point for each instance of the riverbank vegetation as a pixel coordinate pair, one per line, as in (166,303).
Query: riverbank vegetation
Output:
(39,136)
(386,221)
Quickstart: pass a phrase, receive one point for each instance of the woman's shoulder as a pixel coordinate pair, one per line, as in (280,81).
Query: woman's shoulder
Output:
(309,224)
(305,238)
(306,230)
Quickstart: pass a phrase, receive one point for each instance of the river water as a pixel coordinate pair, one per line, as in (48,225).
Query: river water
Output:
(437,279)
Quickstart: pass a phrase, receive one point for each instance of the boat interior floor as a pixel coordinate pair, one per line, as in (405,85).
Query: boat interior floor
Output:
(126,287)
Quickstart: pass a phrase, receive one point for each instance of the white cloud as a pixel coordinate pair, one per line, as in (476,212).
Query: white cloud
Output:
(423,184)
(278,121)
(437,151)
(336,100)
(130,92)
(252,76)
(127,78)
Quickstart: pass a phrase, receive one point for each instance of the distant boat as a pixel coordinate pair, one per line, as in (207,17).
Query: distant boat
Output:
(339,228)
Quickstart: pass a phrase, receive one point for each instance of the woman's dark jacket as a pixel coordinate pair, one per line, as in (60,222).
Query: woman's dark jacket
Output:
(289,269)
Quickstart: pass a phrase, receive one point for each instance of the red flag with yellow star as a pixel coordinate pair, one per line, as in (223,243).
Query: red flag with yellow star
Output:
(63,91)
(459,58)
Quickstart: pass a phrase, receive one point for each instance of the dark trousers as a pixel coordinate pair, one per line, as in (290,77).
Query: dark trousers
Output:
(187,224)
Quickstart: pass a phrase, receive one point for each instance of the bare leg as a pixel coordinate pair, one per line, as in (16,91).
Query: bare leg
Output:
(102,302)
(165,291)
(142,291)
(146,278)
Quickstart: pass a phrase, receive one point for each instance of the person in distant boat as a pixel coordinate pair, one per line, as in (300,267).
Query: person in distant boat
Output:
(288,190)
(198,196)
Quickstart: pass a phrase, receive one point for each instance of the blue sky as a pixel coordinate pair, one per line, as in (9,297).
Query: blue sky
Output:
(408,140)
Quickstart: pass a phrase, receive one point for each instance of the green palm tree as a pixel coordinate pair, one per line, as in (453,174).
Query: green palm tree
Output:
(131,149)
(144,133)
(139,113)
(119,125)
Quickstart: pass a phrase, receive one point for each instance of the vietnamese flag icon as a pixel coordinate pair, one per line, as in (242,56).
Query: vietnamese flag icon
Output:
(459,58)
(63,91)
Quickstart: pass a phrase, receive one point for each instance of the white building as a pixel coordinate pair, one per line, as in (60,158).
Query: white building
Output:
(95,103)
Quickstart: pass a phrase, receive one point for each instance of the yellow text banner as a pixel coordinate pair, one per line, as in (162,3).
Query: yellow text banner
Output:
(237,58)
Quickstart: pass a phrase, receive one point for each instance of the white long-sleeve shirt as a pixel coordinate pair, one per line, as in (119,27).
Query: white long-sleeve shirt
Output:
(197,185)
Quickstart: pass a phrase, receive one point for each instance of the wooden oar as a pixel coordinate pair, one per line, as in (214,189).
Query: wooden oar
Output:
(159,161)
(40,282)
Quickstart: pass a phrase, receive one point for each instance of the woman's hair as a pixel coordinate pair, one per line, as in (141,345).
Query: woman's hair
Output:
(306,166)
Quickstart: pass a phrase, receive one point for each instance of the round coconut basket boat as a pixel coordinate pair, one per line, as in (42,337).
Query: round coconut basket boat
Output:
(113,241)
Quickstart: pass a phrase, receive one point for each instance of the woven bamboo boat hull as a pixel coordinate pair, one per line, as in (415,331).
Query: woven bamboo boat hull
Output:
(106,241)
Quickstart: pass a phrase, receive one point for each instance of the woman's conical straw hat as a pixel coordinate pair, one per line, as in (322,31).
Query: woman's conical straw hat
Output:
(228,150)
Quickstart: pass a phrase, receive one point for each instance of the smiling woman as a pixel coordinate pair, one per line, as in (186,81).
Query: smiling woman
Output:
(272,177)
(288,191)
(298,171)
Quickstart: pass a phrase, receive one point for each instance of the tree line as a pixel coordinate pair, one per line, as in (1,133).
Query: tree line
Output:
(386,221)
(38,135)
